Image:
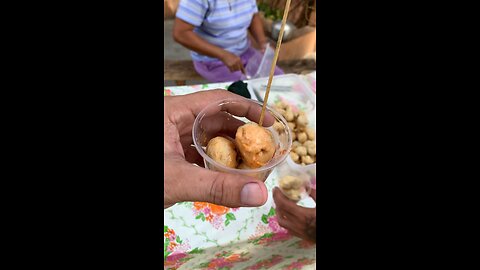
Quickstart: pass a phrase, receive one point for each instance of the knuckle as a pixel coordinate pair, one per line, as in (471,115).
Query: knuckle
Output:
(217,189)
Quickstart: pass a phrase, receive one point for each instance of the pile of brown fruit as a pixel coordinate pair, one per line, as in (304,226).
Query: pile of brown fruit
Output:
(304,146)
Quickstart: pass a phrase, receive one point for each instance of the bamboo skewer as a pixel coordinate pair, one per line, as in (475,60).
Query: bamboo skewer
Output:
(274,63)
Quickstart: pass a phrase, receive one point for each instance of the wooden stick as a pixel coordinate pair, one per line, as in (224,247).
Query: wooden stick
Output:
(274,63)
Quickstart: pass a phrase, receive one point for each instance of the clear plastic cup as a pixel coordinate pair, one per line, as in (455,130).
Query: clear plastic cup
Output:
(307,175)
(222,118)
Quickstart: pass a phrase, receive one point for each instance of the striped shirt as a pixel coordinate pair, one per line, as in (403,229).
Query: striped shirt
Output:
(223,23)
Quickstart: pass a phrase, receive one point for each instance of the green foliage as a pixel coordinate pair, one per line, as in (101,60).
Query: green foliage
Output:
(270,12)
(165,252)
(272,212)
(200,216)
(195,251)
(230,216)
(265,219)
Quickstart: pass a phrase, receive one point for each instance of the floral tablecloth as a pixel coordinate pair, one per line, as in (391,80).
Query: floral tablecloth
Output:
(200,235)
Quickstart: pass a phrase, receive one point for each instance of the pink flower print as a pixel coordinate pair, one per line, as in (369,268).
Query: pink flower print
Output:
(176,257)
(281,236)
(212,213)
(274,226)
(217,222)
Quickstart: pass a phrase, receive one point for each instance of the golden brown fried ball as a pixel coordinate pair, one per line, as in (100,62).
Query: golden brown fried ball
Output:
(223,151)
(292,187)
(255,145)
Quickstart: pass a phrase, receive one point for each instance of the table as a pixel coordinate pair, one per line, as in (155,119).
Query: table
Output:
(200,235)
(183,70)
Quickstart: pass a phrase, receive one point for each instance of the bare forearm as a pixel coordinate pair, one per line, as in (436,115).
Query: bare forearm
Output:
(195,43)
(256,29)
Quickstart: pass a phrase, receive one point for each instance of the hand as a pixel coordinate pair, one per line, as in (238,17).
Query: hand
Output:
(233,62)
(184,181)
(299,221)
(264,46)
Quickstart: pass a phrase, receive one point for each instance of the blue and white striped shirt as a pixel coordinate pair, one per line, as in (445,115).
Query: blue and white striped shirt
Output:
(223,23)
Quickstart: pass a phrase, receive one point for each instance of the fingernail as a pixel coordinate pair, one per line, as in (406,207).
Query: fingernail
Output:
(251,195)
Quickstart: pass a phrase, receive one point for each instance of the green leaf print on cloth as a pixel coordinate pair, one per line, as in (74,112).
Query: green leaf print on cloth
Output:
(173,245)
(271,233)
(217,215)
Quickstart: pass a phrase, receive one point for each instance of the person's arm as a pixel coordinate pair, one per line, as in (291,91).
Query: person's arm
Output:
(256,29)
(183,34)
(191,14)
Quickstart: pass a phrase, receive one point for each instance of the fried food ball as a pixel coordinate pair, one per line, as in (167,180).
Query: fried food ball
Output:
(243,166)
(293,194)
(301,150)
(295,144)
(309,144)
(291,125)
(255,145)
(290,182)
(312,150)
(301,129)
(302,120)
(307,160)
(222,150)
(281,105)
(289,115)
(294,137)
(294,156)
(302,137)
(310,133)
(292,187)
(311,147)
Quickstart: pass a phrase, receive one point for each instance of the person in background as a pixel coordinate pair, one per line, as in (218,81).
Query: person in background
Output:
(216,32)
(298,220)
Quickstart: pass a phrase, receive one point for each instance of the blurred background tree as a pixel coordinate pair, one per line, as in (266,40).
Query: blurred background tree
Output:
(300,12)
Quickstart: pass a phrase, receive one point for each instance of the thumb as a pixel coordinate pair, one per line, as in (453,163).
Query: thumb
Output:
(230,190)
